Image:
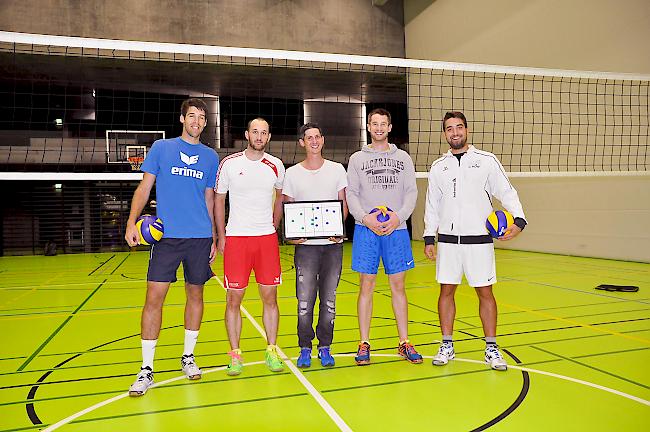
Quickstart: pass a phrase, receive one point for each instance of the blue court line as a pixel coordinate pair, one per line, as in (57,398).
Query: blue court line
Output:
(58,329)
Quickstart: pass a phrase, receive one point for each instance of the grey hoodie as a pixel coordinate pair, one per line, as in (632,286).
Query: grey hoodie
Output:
(377,178)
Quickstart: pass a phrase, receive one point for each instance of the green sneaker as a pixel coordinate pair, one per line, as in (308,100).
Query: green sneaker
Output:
(273,360)
(236,366)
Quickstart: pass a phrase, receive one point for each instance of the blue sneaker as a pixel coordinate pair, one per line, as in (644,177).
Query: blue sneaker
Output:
(304,360)
(363,354)
(326,359)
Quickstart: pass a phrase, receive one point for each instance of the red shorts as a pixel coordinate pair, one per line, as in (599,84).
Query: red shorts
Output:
(245,253)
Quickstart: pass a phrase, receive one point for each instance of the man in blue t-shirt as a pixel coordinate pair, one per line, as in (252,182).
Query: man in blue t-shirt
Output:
(184,171)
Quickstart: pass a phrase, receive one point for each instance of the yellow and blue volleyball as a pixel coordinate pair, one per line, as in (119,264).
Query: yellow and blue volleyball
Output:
(498,222)
(382,216)
(151,229)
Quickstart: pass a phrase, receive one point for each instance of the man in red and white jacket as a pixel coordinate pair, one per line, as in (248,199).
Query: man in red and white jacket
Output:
(459,200)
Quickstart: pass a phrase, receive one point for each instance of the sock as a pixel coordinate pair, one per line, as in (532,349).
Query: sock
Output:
(190,341)
(271,347)
(404,341)
(236,351)
(490,340)
(447,339)
(365,341)
(148,351)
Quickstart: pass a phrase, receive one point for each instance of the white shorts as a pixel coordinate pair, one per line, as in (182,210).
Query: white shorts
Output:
(476,261)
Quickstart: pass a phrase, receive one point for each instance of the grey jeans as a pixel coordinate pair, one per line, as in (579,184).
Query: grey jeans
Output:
(318,270)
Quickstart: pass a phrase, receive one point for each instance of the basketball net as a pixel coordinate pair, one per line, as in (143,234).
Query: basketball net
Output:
(135,162)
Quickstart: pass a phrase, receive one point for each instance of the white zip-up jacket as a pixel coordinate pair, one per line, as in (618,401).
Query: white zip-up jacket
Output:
(459,196)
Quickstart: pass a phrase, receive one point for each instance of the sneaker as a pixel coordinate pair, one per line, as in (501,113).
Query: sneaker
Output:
(363,354)
(189,367)
(304,360)
(445,353)
(273,360)
(142,383)
(326,359)
(235,366)
(494,358)
(407,351)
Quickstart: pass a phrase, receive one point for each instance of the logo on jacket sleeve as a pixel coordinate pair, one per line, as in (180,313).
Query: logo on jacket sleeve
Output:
(189,160)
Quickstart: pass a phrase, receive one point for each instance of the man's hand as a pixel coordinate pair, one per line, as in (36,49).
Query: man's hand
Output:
(213,252)
(511,232)
(132,236)
(335,239)
(391,224)
(430,252)
(221,244)
(296,241)
(370,220)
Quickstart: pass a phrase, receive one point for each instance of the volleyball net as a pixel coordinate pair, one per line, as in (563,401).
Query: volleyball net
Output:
(80,113)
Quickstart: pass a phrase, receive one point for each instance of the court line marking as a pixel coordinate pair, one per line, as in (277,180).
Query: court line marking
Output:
(124,395)
(58,329)
(537,371)
(303,380)
(181,377)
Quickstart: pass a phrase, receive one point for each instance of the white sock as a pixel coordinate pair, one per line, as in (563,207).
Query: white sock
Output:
(148,351)
(190,341)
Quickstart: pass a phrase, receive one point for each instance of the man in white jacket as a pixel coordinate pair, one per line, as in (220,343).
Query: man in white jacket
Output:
(461,184)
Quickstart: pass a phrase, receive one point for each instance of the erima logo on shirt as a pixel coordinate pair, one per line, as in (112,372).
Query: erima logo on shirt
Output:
(188,172)
(189,160)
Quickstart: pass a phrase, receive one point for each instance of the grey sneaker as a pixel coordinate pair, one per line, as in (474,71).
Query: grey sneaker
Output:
(143,381)
(445,353)
(494,358)
(189,367)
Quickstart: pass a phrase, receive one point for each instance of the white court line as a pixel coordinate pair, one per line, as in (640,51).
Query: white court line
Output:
(537,371)
(304,381)
(550,374)
(124,395)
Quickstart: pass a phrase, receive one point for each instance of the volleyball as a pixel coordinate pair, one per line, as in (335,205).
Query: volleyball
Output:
(151,229)
(498,222)
(383,213)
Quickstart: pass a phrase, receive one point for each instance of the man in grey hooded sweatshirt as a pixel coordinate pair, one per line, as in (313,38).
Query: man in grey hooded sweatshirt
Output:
(381,175)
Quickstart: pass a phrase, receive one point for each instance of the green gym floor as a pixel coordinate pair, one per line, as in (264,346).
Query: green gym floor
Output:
(579,358)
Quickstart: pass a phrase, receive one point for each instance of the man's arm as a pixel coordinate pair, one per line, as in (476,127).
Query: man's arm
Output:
(501,188)
(431,218)
(220,220)
(209,202)
(140,198)
(277,208)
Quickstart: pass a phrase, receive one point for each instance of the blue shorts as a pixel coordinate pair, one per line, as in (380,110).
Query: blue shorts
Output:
(394,251)
(169,253)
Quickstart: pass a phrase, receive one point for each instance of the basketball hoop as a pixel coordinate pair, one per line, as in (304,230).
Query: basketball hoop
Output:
(135,162)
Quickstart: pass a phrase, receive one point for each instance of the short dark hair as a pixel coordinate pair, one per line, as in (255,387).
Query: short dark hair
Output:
(194,102)
(454,114)
(304,128)
(248,125)
(379,111)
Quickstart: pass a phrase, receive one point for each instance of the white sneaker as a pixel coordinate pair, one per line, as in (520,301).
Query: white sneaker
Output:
(445,353)
(189,367)
(142,383)
(494,358)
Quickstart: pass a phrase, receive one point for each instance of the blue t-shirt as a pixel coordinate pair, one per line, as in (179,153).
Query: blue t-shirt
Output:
(183,172)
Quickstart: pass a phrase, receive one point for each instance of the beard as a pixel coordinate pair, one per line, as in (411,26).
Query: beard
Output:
(258,146)
(457,145)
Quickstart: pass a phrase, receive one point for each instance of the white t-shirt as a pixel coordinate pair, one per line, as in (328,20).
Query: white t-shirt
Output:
(251,185)
(324,183)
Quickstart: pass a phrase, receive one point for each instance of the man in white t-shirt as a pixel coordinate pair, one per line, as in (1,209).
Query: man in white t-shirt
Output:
(252,178)
(318,262)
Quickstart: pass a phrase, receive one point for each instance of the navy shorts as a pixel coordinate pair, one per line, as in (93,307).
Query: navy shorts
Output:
(394,250)
(168,253)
